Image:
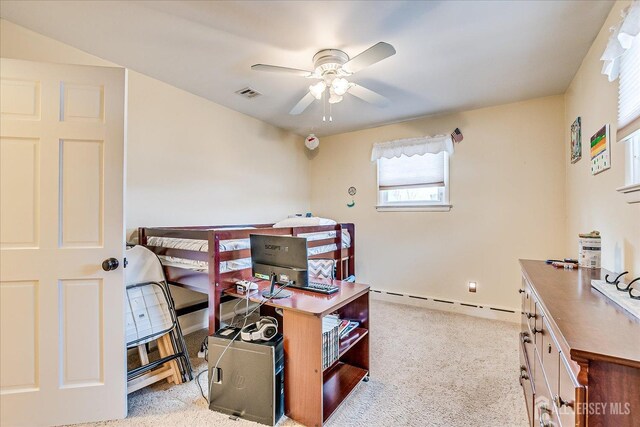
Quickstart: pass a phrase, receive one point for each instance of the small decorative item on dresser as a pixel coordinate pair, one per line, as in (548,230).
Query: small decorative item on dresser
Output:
(589,249)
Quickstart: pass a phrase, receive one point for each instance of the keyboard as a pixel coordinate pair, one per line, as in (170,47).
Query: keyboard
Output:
(321,288)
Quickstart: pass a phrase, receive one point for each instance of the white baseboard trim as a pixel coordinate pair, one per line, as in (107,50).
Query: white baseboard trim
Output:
(443,304)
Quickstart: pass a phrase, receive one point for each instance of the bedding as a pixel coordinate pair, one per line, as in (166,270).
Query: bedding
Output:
(232,245)
(301,221)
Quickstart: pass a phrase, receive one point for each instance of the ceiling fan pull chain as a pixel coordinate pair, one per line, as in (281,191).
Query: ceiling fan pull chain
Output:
(324,108)
(330,114)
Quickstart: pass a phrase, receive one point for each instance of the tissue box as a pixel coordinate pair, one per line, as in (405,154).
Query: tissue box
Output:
(589,250)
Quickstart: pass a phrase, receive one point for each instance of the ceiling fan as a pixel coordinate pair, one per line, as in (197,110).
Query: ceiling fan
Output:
(331,67)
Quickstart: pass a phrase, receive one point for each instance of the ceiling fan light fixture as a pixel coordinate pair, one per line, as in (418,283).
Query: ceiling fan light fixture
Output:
(318,89)
(334,98)
(340,86)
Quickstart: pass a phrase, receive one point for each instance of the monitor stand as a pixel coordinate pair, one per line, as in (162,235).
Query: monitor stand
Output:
(273,292)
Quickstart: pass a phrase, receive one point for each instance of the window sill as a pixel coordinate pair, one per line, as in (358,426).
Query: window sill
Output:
(631,193)
(414,208)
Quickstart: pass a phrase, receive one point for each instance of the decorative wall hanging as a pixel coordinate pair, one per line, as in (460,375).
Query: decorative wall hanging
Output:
(457,136)
(600,151)
(352,192)
(576,140)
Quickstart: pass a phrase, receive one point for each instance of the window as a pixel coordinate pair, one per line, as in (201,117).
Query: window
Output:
(634,158)
(419,182)
(629,86)
(631,189)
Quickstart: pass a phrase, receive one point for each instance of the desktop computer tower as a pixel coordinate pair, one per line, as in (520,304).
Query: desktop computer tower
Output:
(248,382)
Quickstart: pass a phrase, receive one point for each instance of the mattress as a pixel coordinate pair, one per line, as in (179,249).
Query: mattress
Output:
(232,245)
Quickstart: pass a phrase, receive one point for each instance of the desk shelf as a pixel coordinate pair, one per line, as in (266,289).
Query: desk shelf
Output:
(352,338)
(313,394)
(339,381)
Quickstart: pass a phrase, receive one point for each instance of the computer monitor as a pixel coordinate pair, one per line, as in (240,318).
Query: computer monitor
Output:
(281,259)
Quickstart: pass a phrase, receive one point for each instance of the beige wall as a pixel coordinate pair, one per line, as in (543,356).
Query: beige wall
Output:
(507,191)
(592,201)
(190,161)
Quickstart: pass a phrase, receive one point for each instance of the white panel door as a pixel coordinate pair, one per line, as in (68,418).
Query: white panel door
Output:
(62,349)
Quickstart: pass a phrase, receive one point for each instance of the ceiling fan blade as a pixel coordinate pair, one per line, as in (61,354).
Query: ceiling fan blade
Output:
(368,95)
(375,53)
(276,69)
(302,104)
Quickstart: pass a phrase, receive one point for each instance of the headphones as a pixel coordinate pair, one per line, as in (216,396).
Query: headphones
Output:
(263,330)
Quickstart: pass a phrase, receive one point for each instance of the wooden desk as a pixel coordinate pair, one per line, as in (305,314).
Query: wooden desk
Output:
(311,394)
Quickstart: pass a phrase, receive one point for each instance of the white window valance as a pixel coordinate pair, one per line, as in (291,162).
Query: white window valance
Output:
(621,40)
(412,146)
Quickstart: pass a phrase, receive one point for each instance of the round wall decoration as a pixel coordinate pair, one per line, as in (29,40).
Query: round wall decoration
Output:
(352,191)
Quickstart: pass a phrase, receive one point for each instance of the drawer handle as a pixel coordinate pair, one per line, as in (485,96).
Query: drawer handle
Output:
(523,373)
(531,316)
(526,339)
(560,402)
(521,291)
(545,416)
(545,423)
(536,331)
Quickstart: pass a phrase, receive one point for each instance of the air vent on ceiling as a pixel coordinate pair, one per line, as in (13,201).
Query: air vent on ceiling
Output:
(247,92)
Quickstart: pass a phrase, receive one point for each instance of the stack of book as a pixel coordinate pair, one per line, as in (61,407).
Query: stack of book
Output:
(330,340)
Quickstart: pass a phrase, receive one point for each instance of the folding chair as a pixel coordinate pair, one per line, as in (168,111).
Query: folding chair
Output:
(151,316)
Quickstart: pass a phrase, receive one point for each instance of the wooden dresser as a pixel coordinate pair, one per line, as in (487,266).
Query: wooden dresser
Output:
(579,352)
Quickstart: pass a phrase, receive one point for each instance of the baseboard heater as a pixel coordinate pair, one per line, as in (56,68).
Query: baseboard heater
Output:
(442,301)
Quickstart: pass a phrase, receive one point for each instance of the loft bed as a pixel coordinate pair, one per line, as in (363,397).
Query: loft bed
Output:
(210,259)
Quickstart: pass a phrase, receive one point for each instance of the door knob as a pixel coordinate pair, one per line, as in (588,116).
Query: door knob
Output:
(110,264)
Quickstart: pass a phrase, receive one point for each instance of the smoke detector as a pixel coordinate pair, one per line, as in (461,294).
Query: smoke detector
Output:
(311,142)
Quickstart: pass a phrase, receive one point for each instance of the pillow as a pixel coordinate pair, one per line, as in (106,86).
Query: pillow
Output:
(300,221)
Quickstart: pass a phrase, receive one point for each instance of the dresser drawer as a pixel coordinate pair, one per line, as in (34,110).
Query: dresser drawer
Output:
(544,412)
(525,303)
(538,329)
(570,398)
(550,358)
(526,341)
(526,379)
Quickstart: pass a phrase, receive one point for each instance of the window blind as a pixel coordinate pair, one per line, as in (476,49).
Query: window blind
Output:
(629,87)
(416,171)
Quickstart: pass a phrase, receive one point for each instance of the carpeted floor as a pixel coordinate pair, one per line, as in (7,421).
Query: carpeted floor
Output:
(428,368)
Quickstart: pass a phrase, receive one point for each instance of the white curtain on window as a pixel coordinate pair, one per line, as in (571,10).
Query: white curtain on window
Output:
(621,40)
(411,172)
(629,86)
(412,146)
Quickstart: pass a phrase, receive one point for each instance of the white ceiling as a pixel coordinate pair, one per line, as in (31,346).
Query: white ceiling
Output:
(451,55)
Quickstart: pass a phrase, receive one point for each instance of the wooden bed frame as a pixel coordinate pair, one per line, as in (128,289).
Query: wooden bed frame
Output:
(213,282)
